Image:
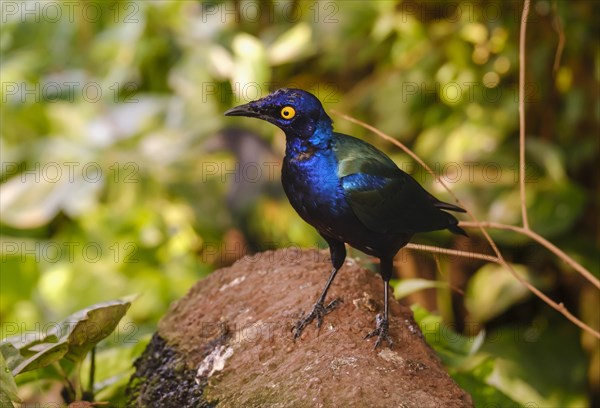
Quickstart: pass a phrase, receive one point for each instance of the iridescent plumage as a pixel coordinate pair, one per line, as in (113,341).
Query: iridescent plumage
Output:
(348,190)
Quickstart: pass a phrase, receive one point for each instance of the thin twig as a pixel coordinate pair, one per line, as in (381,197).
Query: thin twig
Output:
(522,113)
(542,241)
(561,38)
(454,252)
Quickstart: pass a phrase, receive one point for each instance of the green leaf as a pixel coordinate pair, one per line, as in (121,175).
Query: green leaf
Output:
(72,338)
(250,65)
(292,45)
(453,348)
(31,203)
(5,401)
(549,156)
(8,387)
(555,207)
(475,383)
(407,287)
(26,342)
(46,354)
(10,355)
(492,290)
(536,365)
(92,325)
(472,369)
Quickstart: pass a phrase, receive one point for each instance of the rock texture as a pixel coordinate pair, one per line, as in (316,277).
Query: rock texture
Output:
(228,343)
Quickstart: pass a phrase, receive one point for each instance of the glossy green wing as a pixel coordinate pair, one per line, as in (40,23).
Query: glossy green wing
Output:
(383,197)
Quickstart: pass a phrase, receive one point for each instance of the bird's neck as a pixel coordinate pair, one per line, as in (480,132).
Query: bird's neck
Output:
(319,139)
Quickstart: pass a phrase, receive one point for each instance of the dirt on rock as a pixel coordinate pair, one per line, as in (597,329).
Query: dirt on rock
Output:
(232,334)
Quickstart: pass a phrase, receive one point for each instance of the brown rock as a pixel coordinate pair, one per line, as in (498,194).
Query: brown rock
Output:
(228,343)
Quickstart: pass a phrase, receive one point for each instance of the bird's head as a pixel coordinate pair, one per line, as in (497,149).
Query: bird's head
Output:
(297,112)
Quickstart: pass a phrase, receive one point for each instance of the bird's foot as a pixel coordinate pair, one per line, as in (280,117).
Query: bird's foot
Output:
(319,310)
(381,331)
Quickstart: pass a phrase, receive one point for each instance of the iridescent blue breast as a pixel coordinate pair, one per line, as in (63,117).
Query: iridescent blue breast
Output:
(313,188)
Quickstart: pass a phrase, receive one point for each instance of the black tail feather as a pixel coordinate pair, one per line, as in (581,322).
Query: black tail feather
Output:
(450,207)
(457,230)
(452,221)
(445,206)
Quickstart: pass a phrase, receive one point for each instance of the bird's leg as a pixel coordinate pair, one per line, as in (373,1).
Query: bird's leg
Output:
(382,324)
(319,309)
(337,250)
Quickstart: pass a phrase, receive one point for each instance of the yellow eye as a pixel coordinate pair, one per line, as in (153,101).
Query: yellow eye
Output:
(288,112)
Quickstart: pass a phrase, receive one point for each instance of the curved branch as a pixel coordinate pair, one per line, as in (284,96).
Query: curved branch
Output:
(542,241)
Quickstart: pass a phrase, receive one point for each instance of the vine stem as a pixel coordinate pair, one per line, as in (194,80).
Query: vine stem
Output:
(522,162)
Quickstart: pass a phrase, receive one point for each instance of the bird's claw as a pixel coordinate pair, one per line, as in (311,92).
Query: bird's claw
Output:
(381,331)
(318,311)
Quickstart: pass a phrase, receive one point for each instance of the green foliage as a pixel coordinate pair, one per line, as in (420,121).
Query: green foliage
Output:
(526,373)
(509,367)
(491,291)
(8,391)
(470,368)
(71,340)
(405,287)
(109,186)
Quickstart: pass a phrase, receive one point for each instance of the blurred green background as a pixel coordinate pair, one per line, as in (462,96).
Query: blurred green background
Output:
(120,174)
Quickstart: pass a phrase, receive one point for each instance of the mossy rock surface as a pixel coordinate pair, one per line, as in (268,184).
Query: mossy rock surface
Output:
(228,343)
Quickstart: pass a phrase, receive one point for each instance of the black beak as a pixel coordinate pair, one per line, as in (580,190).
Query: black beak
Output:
(249,110)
